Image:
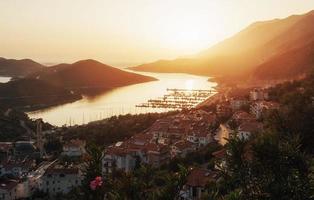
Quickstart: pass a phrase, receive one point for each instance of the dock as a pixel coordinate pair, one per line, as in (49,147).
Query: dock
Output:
(178,99)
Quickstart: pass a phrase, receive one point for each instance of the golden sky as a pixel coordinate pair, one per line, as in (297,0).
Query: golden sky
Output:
(127,32)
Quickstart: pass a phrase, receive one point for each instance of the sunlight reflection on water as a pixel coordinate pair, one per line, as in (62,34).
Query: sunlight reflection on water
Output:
(120,100)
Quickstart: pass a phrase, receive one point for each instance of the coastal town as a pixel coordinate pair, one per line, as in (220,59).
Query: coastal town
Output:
(28,171)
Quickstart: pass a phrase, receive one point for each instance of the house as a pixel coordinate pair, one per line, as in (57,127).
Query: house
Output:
(141,148)
(241,116)
(181,148)
(157,154)
(246,129)
(118,157)
(8,189)
(160,127)
(74,148)
(59,179)
(258,94)
(201,136)
(16,167)
(260,107)
(196,183)
(24,149)
(223,109)
(236,103)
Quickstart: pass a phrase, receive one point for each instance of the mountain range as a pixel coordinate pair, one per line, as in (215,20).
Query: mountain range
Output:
(49,86)
(275,49)
(88,75)
(18,68)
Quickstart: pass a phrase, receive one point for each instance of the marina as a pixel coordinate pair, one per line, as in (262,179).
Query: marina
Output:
(179,99)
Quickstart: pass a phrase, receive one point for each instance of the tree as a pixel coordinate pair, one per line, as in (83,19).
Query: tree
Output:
(92,168)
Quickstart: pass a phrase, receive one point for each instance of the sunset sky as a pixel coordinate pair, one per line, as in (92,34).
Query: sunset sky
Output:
(127,32)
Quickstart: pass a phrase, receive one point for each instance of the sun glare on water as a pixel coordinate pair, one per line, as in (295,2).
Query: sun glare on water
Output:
(189,84)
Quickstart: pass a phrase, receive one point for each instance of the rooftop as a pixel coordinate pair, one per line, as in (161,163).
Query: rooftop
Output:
(199,177)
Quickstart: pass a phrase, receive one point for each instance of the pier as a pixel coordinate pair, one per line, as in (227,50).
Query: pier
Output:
(178,99)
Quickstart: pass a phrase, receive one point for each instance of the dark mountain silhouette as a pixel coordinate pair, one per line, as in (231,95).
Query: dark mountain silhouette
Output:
(88,75)
(251,50)
(31,94)
(18,68)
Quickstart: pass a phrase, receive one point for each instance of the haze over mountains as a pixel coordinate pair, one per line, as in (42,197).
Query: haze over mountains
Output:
(276,49)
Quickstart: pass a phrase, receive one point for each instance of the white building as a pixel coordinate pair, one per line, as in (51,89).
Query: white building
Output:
(60,180)
(74,148)
(199,135)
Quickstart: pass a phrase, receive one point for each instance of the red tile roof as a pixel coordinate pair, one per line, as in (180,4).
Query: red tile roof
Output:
(200,177)
(183,144)
(220,154)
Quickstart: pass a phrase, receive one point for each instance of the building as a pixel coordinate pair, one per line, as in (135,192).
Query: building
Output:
(237,103)
(200,137)
(157,154)
(8,190)
(223,109)
(246,129)
(141,148)
(196,183)
(118,157)
(241,116)
(74,148)
(160,127)
(27,149)
(181,148)
(17,168)
(154,146)
(60,180)
(260,107)
(259,94)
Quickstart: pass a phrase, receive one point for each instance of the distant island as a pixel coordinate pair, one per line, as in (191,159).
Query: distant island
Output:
(269,50)
(18,68)
(63,83)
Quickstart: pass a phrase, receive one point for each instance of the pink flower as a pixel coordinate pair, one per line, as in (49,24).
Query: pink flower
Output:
(97,182)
